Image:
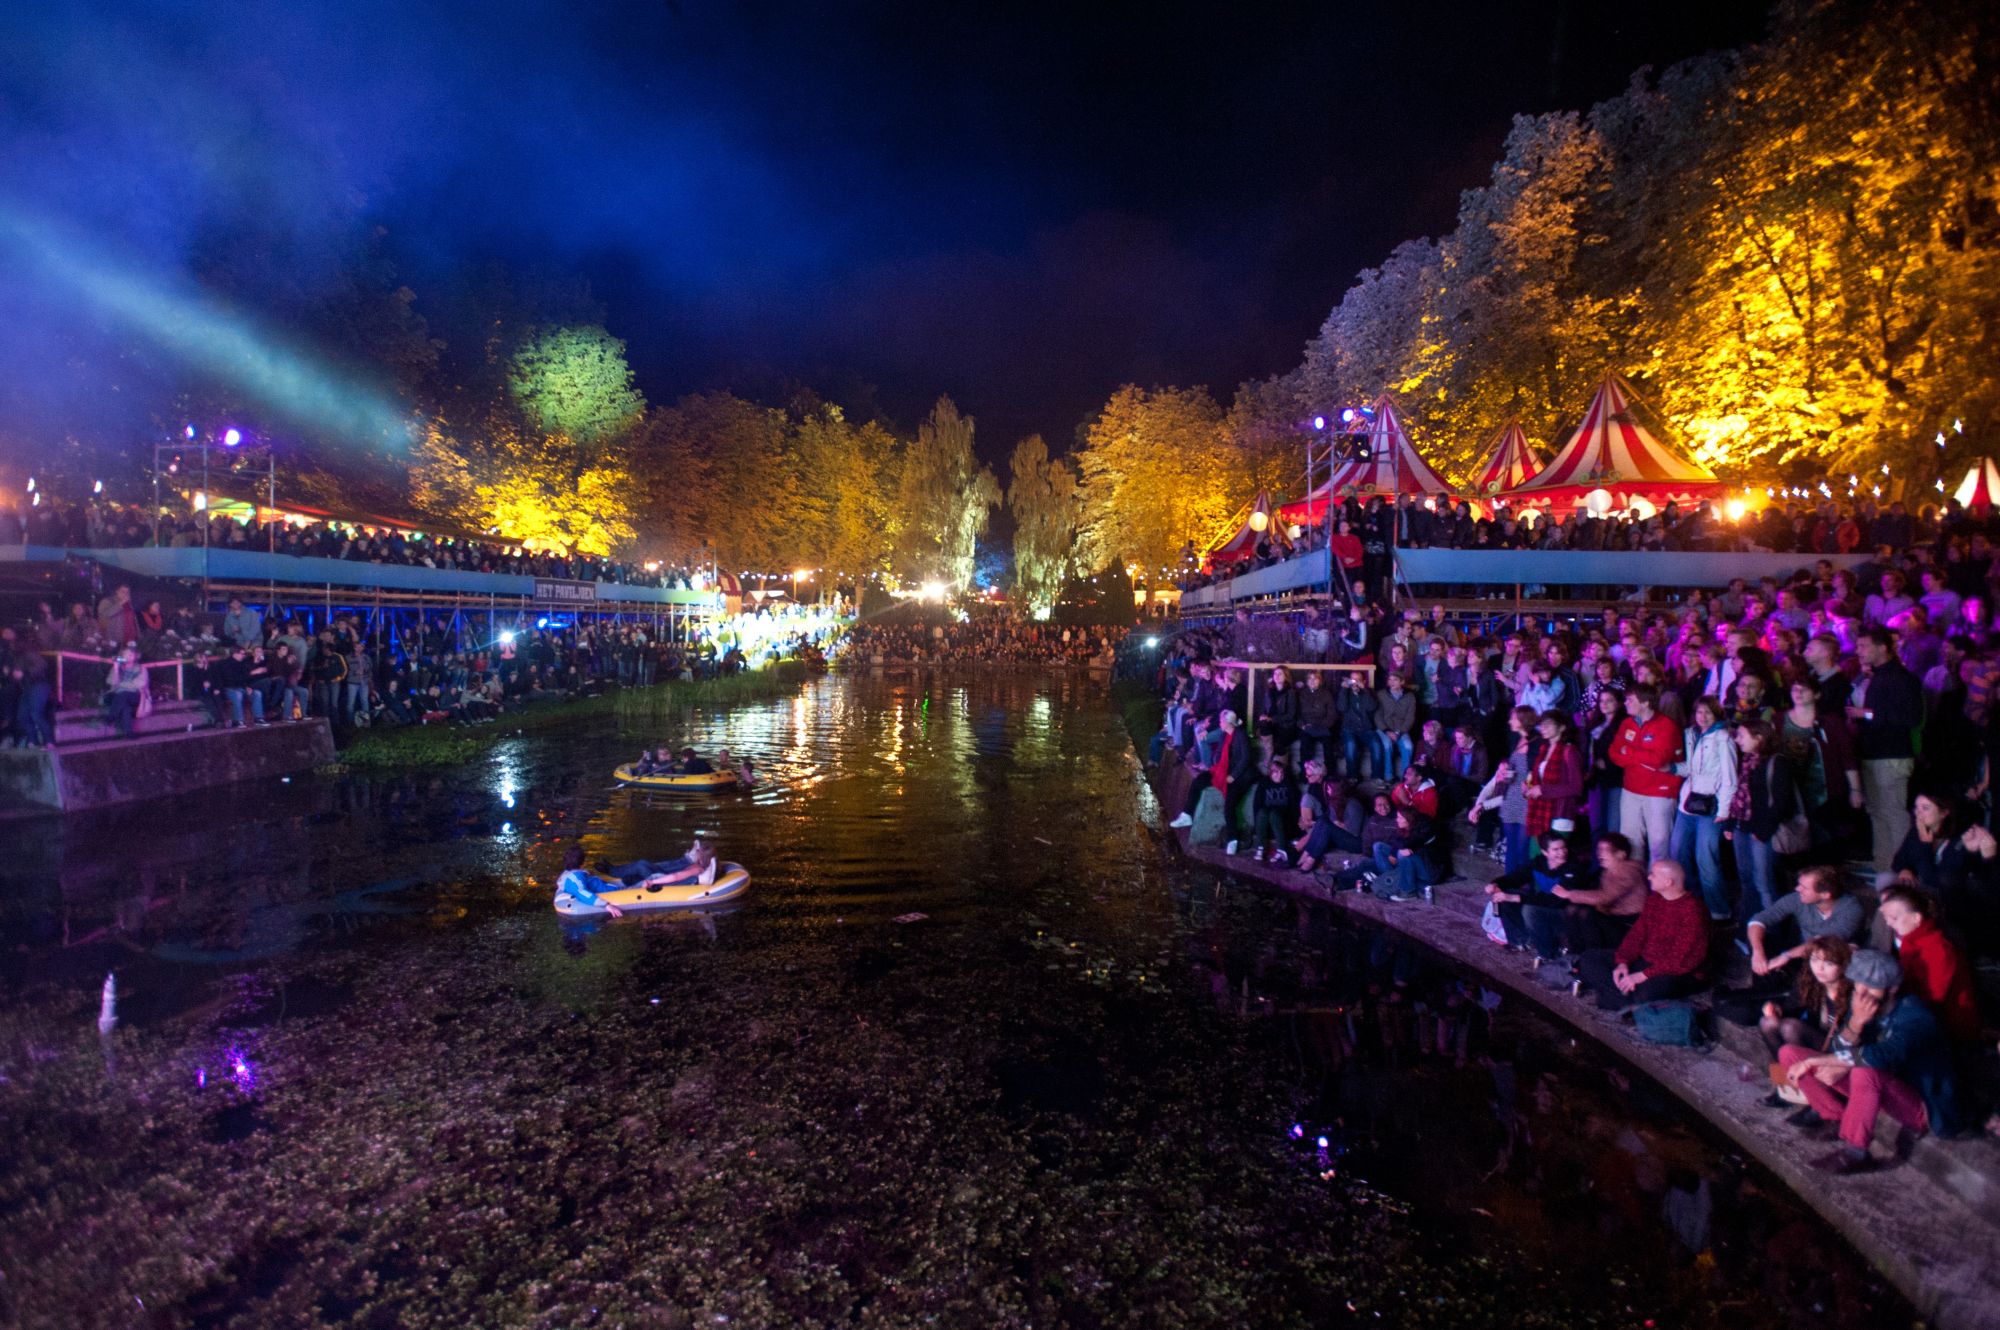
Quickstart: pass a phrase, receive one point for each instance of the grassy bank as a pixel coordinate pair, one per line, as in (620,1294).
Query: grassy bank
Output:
(454,745)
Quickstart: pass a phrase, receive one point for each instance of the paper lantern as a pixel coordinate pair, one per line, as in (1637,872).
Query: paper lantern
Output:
(1598,501)
(1643,508)
(1259,520)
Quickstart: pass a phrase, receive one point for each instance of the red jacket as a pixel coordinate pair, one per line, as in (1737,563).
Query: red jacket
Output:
(1422,799)
(1671,937)
(1647,753)
(1936,971)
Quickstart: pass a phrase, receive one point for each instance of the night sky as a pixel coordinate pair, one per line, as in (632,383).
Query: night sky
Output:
(1024,206)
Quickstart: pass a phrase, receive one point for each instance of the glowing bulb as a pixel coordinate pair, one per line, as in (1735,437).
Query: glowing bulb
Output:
(1320,1142)
(1319,422)
(97,487)
(1259,520)
(187,431)
(1940,438)
(1297,1131)
(1957,425)
(1885,468)
(1736,508)
(507,637)
(31,484)
(231,437)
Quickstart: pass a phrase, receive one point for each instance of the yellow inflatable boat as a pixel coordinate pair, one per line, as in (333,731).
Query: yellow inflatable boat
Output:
(731,881)
(707,780)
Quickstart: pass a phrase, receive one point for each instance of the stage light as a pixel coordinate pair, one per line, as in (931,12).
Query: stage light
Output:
(187,431)
(1319,422)
(1347,416)
(97,487)
(231,437)
(507,637)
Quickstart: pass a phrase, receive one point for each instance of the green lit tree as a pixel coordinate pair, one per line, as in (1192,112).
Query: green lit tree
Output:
(574,381)
(943,501)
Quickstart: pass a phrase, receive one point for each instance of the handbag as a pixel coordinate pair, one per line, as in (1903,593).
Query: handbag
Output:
(1699,805)
(1794,837)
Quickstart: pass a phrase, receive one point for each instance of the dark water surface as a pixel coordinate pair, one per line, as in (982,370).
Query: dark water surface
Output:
(362,1074)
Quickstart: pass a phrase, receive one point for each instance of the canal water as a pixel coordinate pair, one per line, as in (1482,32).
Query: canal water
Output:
(975,1051)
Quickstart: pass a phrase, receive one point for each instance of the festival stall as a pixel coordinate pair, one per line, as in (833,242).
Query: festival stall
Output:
(1243,544)
(1981,486)
(1613,451)
(1508,462)
(1393,467)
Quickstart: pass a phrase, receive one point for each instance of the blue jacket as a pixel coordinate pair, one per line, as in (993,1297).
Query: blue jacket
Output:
(1910,1045)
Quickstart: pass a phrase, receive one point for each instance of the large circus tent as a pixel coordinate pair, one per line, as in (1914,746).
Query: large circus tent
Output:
(1393,467)
(1613,450)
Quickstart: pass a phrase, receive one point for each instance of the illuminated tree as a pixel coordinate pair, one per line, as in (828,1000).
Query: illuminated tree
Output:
(718,468)
(943,500)
(1042,497)
(534,489)
(574,381)
(842,520)
(1155,477)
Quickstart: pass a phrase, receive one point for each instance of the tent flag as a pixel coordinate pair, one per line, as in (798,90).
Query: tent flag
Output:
(1394,466)
(1613,450)
(1980,486)
(1509,460)
(1244,543)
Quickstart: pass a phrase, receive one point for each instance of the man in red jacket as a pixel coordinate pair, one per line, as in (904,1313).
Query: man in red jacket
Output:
(1663,954)
(1647,748)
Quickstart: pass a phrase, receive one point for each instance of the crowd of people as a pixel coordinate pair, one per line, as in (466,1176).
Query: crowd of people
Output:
(1800,771)
(102,524)
(981,641)
(249,669)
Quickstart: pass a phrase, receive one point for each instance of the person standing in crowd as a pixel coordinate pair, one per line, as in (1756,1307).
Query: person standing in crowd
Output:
(1707,794)
(1884,712)
(1647,749)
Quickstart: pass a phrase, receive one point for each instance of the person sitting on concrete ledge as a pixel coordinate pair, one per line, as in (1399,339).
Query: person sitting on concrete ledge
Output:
(1601,913)
(1890,1055)
(1417,858)
(1416,791)
(1818,906)
(1526,901)
(1661,957)
(1336,819)
(1816,1008)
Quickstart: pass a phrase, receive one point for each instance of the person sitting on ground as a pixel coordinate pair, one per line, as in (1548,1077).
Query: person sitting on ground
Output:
(584,888)
(1818,906)
(1336,825)
(1662,956)
(1416,858)
(1525,898)
(1415,790)
(1600,914)
(1271,813)
(1892,1057)
(1817,1008)
(1933,967)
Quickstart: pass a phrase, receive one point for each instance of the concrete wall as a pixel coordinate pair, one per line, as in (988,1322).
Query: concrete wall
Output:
(101,775)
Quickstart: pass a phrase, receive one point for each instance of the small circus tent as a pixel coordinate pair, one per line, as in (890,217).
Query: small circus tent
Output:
(1981,486)
(1393,467)
(1613,450)
(1509,460)
(1243,544)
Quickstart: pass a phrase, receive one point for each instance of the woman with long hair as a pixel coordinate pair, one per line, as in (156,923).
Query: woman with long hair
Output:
(1555,783)
(1507,792)
(1761,817)
(1818,745)
(1705,799)
(1603,778)
(1818,1003)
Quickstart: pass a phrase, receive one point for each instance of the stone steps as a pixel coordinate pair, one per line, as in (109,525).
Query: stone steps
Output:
(87,724)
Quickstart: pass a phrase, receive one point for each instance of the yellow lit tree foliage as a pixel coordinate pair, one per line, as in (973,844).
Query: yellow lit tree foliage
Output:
(1155,477)
(1794,249)
(534,489)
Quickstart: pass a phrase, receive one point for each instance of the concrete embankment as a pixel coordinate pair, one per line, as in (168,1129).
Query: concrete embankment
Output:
(1929,1219)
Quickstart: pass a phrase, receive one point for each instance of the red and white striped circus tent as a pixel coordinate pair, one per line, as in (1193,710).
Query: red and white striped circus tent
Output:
(1980,486)
(1243,544)
(1393,467)
(1612,450)
(1509,460)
